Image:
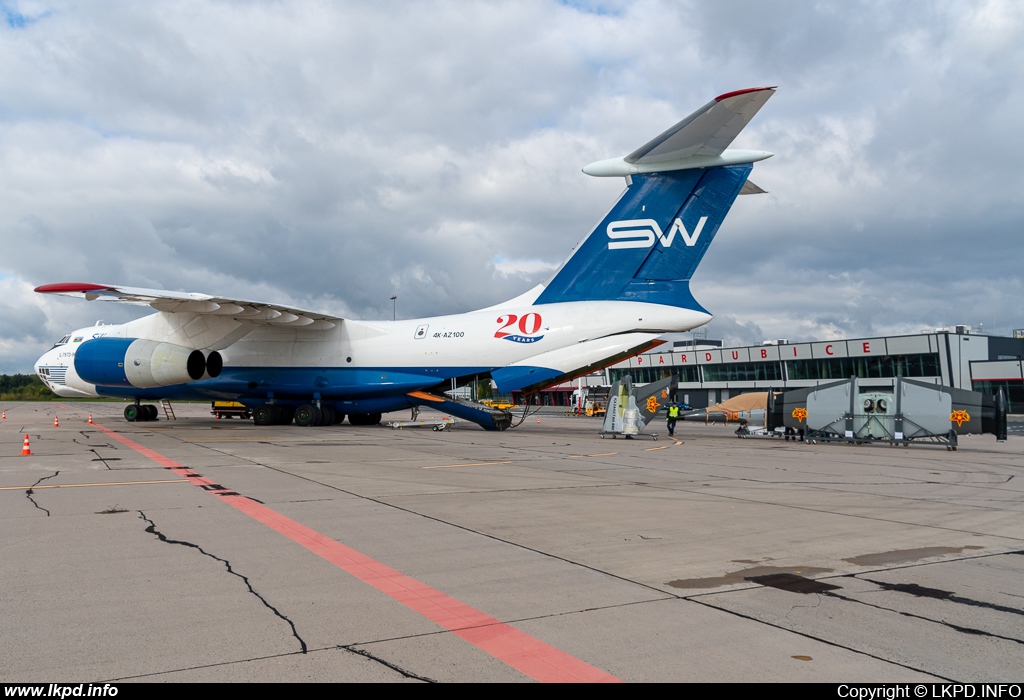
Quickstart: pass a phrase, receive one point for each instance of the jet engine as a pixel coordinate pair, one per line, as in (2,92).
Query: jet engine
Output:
(144,364)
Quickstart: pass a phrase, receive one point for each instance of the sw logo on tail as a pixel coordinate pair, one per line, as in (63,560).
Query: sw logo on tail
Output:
(641,233)
(597,309)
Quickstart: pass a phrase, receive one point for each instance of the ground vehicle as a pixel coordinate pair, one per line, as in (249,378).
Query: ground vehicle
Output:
(230,409)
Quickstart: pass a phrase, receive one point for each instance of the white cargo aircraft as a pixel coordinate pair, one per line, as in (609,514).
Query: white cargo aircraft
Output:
(624,286)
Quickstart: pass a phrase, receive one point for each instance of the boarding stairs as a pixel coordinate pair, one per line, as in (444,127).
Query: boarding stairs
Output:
(168,409)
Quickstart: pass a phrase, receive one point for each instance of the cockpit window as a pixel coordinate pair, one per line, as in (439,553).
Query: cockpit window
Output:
(62,341)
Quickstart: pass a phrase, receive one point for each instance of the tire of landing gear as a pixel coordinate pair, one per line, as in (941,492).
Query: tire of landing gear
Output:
(151,411)
(265,415)
(307,415)
(131,413)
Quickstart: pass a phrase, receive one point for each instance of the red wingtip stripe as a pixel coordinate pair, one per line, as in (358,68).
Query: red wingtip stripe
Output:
(70,287)
(734,93)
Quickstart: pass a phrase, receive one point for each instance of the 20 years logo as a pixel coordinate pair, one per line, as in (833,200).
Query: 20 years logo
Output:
(528,326)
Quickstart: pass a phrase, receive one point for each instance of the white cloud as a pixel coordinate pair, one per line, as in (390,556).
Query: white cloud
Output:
(522,268)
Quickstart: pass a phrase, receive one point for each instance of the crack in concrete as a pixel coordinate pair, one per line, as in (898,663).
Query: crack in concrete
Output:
(99,458)
(87,435)
(163,538)
(29,492)
(958,628)
(394,667)
(817,638)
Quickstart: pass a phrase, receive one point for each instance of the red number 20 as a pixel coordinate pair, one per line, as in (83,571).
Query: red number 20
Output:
(528,324)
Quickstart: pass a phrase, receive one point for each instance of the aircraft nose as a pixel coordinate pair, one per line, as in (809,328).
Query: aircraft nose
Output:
(46,360)
(43,360)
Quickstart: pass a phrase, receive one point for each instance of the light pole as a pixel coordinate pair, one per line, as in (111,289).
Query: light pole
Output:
(394,307)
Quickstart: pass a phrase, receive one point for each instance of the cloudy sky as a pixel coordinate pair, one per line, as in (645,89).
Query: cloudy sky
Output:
(329,154)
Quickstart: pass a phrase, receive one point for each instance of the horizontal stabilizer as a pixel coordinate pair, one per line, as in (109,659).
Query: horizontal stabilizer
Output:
(698,141)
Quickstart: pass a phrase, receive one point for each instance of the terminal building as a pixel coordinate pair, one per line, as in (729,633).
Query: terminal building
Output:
(709,373)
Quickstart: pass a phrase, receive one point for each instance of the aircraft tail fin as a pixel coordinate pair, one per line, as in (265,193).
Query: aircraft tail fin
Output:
(650,243)
(680,186)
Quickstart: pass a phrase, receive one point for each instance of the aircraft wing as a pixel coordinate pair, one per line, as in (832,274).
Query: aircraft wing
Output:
(245,312)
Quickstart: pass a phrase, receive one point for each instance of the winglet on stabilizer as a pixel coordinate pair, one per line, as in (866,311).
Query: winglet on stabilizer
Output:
(698,141)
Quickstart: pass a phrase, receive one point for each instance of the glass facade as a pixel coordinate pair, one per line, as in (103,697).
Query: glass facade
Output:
(653,374)
(925,365)
(1014,390)
(828,368)
(743,372)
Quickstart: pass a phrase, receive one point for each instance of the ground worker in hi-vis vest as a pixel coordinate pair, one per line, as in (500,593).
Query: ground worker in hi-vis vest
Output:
(673,416)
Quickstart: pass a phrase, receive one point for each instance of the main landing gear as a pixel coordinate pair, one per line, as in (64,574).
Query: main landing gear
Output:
(308,414)
(269,414)
(140,412)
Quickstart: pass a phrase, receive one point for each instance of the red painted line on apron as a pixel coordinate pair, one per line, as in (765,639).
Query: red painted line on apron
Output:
(526,654)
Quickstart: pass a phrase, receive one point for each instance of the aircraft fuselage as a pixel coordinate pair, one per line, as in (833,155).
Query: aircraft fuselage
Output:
(362,360)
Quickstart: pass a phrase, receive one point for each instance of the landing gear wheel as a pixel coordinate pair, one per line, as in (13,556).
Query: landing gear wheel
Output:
(265,415)
(151,412)
(285,414)
(307,415)
(131,413)
(328,415)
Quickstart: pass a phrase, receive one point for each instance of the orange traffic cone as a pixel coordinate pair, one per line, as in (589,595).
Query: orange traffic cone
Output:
(56,424)
(538,421)
(25,449)
(5,416)
(90,419)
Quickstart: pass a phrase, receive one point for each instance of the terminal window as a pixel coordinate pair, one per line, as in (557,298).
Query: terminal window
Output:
(923,365)
(743,372)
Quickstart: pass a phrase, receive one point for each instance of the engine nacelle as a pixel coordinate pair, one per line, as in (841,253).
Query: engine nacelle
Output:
(144,364)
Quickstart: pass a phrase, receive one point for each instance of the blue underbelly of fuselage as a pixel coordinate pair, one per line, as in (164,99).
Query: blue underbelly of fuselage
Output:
(301,384)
